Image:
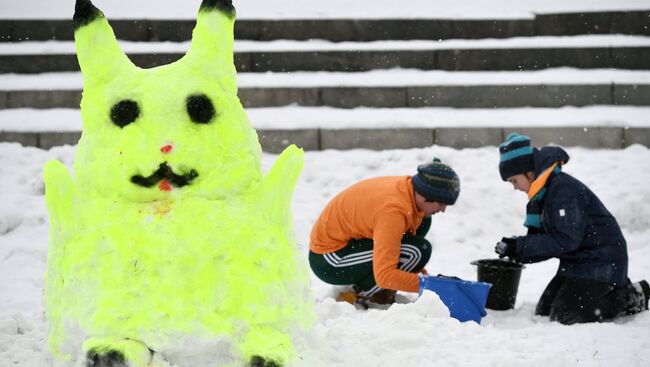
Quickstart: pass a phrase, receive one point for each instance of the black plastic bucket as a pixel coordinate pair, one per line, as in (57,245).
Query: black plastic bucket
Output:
(504,277)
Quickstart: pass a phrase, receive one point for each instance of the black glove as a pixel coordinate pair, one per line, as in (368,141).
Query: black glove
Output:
(507,247)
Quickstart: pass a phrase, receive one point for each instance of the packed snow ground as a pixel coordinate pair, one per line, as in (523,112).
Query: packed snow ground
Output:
(410,333)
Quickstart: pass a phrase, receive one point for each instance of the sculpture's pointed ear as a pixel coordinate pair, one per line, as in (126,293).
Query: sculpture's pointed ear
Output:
(212,41)
(98,53)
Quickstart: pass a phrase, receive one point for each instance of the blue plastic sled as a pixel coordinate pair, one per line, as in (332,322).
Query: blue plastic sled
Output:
(465,299)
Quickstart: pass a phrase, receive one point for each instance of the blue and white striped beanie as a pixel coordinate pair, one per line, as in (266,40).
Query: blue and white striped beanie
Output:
(516,156)
(437,181)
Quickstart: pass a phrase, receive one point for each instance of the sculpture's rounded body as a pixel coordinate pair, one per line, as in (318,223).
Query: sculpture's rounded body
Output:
(169,236)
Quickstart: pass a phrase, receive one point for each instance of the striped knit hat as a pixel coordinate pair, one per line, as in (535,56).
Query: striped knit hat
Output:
(437,181)
(516,156)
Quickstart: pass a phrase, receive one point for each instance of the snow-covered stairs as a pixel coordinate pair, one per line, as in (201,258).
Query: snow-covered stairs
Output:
(371,83)
(519,53)
(383,88)
(339,30)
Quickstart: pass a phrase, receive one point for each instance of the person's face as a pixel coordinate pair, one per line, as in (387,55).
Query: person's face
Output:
(433,207)
(521,182)
(429,207)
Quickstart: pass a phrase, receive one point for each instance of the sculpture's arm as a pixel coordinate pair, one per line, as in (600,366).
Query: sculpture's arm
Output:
(59,194)
(277,186)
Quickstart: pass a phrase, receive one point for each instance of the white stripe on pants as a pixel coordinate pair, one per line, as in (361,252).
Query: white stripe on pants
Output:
(410,256)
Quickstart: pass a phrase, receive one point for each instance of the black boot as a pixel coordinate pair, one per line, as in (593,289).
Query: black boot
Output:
(645,289)
(637,295)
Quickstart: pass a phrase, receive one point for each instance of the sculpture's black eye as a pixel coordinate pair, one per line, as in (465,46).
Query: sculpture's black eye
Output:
(125,112)
(200,108)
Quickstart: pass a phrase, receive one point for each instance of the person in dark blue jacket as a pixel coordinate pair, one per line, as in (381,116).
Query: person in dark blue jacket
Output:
(566,220)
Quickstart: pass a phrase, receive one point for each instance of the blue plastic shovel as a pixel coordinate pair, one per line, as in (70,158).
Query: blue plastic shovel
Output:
(465,299)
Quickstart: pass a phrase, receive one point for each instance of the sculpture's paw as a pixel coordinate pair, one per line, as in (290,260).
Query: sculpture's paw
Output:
(267,347)
(116,352)
(111,358)
(257,361)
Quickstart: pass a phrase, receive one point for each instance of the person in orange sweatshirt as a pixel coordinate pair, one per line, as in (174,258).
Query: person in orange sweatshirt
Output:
(371,235)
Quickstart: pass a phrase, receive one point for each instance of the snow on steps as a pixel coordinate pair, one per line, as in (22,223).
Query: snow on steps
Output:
(318,128)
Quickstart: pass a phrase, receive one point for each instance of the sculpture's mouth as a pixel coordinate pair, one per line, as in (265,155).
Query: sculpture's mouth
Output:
(164,174)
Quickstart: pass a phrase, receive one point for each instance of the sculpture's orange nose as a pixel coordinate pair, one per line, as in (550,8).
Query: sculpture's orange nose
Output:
(164,185)
(165,149)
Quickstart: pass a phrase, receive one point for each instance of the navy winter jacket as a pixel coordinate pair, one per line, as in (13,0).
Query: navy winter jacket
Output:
(576,228)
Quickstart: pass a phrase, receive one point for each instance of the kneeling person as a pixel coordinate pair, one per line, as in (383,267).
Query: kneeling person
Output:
(371,235)
(567,221)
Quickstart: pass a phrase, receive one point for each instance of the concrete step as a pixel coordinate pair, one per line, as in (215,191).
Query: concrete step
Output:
(483,96)
(368,128)
(612,22)
(587,52)
(382,88)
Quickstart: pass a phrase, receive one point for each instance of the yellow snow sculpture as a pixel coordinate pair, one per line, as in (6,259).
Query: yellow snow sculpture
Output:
(169,244)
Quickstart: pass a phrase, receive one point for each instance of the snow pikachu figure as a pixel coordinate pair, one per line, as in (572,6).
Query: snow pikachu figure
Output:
(169,246)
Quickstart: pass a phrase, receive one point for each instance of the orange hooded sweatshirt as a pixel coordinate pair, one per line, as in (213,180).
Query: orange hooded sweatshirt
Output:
(382,209)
